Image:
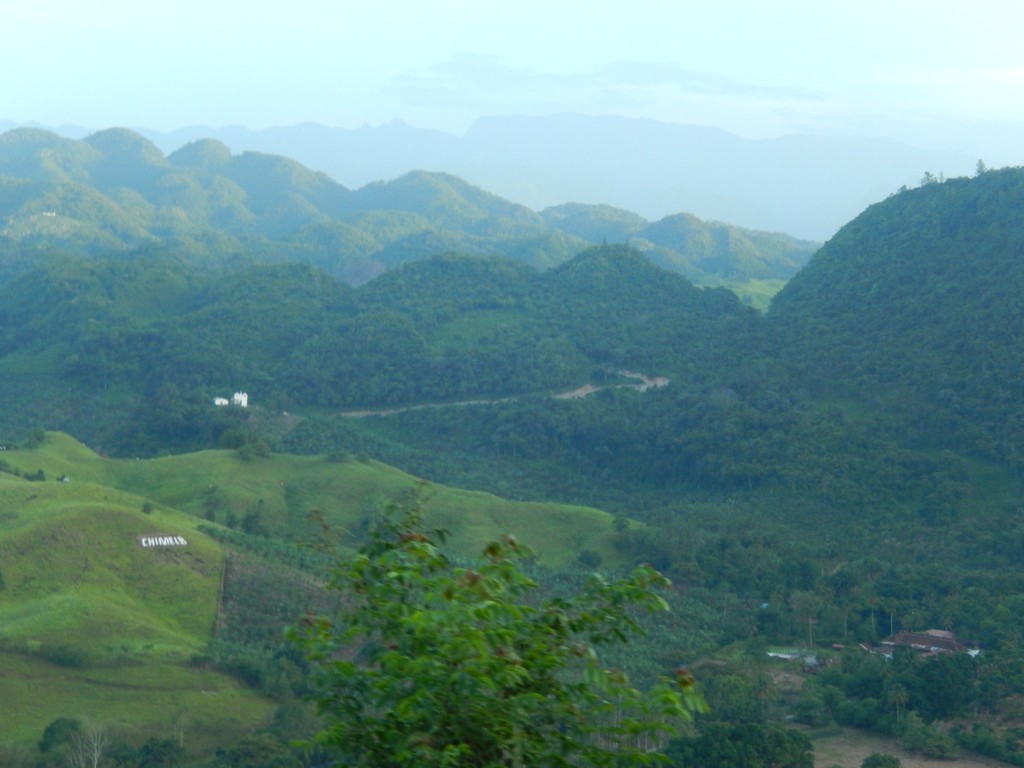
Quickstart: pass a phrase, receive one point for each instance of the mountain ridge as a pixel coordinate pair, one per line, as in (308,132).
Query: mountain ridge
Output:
(116,190)
(806,185)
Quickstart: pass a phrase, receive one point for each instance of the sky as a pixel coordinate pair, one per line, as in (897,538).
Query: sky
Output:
(933,70)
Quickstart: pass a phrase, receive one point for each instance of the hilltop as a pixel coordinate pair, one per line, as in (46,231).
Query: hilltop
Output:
(911,307)
(808,185)
(115,191)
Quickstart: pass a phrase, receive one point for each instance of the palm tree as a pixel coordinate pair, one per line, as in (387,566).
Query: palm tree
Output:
(898,697)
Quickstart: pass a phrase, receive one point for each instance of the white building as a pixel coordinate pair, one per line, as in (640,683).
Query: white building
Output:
(241,399)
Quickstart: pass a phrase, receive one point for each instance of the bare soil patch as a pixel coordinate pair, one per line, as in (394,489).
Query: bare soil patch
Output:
(849,748)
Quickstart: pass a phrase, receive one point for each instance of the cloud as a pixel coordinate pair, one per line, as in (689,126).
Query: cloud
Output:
(653,74)
(1007,75)
(477,81)
(472,78)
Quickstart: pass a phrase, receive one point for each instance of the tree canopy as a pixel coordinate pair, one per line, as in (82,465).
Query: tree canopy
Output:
(432,664)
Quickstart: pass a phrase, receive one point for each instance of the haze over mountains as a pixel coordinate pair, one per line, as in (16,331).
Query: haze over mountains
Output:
(806,186)
(116,190)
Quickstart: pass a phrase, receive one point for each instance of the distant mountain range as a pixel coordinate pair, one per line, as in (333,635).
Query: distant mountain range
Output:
(807,186)
(116,190)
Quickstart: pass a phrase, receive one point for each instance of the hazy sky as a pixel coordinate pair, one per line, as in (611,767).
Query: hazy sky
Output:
(754,68)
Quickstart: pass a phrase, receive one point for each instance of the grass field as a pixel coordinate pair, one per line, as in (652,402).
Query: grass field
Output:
(286,488)
(94,623)
(145,698)
(754,292)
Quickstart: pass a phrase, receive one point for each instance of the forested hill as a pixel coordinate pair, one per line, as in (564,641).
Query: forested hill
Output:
(114,190)
(915,308)
(911,312)
(154,338)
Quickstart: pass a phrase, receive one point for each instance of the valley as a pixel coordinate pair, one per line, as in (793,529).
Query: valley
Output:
(826,471)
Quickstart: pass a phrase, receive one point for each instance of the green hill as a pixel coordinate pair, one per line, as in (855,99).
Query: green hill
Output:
(449,204)
(125,377)
(111,587)
(75,557)
(115,191)
(96,624)
(754,264)
(595,223)
(912,308)
(688,245)
(219,485)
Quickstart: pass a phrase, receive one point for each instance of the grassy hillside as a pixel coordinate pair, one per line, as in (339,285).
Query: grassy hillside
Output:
(144,698)
(218,485)
(93,623)
(76,572)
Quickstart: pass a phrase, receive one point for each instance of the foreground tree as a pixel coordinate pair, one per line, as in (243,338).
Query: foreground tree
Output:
(429,664)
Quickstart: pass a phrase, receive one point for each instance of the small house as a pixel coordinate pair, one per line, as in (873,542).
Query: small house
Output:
(241,399)
(928,643)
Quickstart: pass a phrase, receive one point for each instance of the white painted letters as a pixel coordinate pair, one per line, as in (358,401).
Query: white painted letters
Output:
(162,541)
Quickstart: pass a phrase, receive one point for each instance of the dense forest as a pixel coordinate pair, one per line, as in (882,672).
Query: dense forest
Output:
(830,472)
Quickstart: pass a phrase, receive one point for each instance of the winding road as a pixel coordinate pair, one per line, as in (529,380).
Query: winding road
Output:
(643,384)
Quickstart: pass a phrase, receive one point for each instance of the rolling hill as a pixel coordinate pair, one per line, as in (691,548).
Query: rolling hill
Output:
(136,376)
(114,190)
(97,623)
(808,185)
(112,580)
